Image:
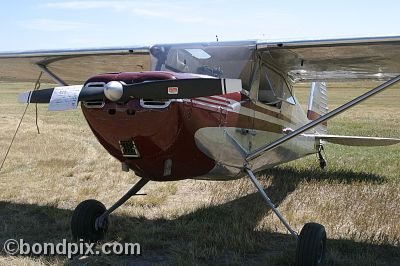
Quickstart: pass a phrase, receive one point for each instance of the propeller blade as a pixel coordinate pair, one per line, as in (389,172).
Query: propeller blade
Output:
(181,88)
(38,96)
(58,98)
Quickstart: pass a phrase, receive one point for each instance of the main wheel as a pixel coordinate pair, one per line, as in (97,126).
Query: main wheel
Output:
(84,219)
(311,246)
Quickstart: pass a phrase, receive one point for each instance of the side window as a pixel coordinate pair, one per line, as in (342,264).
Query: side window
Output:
(273,88)
(246,75)
(265,92)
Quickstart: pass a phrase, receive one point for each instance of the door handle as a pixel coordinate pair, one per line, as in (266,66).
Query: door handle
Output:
(246,131)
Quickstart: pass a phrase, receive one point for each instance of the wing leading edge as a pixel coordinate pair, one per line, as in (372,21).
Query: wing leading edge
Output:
(72,66)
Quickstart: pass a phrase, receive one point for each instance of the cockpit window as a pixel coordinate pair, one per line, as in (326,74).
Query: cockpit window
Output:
(273,88)
(228,60)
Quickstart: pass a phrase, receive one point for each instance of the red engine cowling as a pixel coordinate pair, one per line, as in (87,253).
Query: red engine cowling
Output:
(154,138)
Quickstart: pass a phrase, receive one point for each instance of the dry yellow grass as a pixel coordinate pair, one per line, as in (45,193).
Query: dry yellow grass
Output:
(200,222)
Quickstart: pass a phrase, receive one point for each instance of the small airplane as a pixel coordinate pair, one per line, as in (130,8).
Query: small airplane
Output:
(215,111)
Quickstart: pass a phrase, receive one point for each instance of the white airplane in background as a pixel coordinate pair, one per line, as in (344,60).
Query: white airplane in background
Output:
(216,111)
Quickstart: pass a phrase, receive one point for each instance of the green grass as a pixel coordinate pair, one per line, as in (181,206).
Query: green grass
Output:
(198,222)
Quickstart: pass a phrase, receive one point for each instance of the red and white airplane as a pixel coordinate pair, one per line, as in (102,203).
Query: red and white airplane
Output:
(216,111)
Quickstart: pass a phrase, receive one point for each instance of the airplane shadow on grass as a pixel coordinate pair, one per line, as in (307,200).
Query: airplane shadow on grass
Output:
(223,234)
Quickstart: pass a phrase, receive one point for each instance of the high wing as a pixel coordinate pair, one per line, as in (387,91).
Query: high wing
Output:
(339,59)
(72,66)
(336,59)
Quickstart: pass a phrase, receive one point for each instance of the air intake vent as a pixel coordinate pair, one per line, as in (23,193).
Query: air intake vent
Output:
(94,104)
(148,103)
(129,149)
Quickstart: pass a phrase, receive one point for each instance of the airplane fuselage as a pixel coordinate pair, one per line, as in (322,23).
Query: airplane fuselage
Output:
(201,138)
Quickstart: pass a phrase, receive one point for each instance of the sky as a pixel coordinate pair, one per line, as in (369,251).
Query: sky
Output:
(49,24)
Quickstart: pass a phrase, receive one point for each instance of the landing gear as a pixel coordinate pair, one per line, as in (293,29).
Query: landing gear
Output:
(311,243)
(321,156)
(90,218)
(84,219)
(311,246)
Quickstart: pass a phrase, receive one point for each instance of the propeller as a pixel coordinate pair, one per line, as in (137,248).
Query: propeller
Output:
(171,89)
(121,92)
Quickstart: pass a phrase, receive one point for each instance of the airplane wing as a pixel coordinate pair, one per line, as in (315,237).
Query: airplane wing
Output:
(333,60)
(356,140)
(72,66)
(340,59)
(336,59)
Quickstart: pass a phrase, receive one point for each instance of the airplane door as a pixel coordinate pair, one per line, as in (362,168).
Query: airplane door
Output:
(243,117)
(240,126)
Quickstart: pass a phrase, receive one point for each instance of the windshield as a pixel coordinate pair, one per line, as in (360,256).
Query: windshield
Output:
(227,60)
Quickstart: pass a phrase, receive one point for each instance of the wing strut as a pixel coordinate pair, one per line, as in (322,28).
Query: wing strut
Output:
(53,76)
(258,152)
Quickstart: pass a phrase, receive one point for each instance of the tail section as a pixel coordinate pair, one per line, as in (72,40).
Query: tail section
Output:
(318,104)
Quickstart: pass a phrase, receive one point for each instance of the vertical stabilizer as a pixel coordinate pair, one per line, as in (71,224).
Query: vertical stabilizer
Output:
(318,104)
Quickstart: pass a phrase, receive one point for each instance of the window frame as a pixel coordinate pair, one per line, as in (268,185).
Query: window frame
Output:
(273,89)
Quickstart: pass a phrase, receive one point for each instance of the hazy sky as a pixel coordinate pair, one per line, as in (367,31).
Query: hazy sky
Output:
(49,24)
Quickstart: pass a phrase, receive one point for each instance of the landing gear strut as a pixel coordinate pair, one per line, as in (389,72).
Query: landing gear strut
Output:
(311,243)
(321,156)
(90,218)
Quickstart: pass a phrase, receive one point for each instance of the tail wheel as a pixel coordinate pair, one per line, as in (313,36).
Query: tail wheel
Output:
(311,246)
(84,220)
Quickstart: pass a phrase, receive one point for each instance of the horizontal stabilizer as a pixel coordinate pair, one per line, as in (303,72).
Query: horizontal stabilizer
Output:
(357,141)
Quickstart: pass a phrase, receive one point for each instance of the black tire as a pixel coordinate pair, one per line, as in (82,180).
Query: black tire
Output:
(322,164)
(84,219)
(311,247)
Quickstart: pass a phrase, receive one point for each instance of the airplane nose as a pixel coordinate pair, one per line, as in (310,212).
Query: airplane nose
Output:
(155,138)
(155,143)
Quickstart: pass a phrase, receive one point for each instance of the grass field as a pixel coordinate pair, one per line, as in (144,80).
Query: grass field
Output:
(198,222)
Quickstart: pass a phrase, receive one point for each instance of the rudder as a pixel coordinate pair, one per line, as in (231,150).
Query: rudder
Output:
(318,104)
